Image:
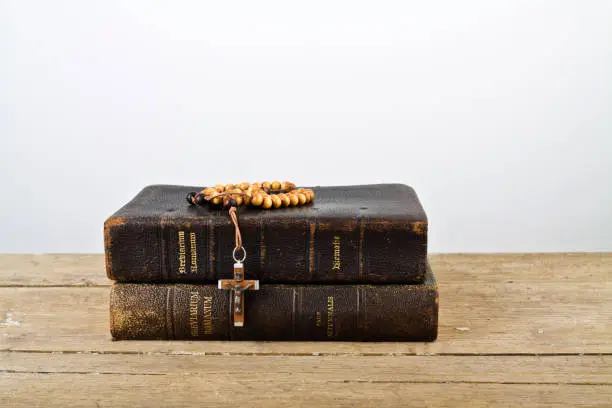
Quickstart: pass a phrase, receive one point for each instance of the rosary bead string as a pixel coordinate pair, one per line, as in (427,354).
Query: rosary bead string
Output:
(265,194)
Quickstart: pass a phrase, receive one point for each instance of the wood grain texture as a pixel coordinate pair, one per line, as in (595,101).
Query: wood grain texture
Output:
(52,270)
(519,329)
(125,390)
(577,370)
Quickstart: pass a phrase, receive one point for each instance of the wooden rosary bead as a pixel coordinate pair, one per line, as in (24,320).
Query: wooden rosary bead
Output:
(275,185)
(190,197)
(208,191)
(200,199)
(287,186)
(301,198)
(219,188)
(293,198)
(284,199)
(276,201)
(216,201)
(257,199)
(267,202)
(244,186)
(226,201)
(309,195)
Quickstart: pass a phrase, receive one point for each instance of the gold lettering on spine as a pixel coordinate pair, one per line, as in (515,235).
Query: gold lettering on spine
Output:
(181,251)
(337,265)
(330,316)
(194,300)
(194,252)
(208,319)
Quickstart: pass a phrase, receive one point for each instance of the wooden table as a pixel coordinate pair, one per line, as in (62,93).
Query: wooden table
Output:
(525,329)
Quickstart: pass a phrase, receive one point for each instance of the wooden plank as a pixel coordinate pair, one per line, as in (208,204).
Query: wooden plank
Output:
(52,270)
(577,370)
(88,269)
(126,390)
(503,318)
(528,268)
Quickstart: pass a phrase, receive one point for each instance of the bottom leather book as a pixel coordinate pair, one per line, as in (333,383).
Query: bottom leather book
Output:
(277,312)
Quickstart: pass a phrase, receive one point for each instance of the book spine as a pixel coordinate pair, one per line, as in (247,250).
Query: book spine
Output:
(199,249)
(276,312)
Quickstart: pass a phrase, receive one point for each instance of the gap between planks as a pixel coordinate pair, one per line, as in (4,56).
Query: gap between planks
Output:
(63,373)
(291,354)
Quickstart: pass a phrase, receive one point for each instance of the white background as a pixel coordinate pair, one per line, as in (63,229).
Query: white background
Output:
(498,113)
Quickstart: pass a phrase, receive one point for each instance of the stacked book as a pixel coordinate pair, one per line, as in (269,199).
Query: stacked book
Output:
(352,265)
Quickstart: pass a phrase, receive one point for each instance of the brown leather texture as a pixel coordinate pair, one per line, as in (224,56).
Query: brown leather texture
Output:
(277,312)
(349,234)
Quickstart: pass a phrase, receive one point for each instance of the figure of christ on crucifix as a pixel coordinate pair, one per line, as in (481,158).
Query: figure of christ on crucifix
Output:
(238,286)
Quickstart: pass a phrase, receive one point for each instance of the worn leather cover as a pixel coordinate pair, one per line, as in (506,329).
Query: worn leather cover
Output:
(350,234)
(277,312)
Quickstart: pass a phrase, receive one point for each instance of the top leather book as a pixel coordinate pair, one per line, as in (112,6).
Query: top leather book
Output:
(350,234)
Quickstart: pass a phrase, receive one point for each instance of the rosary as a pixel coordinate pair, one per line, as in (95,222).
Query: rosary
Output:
(265,195)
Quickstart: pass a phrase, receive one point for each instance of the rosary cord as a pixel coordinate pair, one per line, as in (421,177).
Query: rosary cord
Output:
(232,213)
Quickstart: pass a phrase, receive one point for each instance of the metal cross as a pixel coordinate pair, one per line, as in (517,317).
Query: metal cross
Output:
(238,286)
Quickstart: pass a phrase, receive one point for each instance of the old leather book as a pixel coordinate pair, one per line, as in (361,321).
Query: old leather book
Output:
(277,312)
(350,234)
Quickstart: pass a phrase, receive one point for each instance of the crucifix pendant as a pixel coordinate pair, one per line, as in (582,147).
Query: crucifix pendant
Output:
(238,286)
